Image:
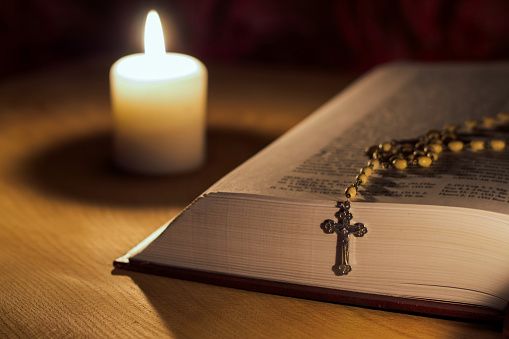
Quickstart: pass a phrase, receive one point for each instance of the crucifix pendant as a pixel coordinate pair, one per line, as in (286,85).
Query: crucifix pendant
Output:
(343,229)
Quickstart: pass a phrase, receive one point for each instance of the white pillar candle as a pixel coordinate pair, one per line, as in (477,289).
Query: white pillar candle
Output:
(159,107)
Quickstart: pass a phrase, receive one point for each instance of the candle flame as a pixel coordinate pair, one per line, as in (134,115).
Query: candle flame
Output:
(154,38)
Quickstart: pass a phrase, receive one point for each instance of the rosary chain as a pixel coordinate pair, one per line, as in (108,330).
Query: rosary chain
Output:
(424,150)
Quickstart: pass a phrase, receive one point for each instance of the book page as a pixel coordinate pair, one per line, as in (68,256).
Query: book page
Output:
(322,156)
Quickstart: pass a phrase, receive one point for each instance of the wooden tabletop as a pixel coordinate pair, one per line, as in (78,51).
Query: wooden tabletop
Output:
(66,213)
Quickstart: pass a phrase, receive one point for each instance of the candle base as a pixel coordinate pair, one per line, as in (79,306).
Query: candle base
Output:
(152,170)
(166,163)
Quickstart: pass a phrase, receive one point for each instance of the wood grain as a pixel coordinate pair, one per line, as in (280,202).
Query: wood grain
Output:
(67,213)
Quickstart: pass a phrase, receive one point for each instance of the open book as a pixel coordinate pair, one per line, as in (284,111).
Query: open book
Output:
(438,239)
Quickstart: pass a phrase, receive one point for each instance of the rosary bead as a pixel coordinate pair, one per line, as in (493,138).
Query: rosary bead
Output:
(372,151)
(497,145)
(503,117)
(435,147)
(374,164)
(450,129)
(470,124)
(455,145)
(477,145)
(433,134)
(361,179)
(420,145)
(367,171)
(386,146)
(350,192)
(400,164)
(488,122)
(432,155)
(394,157)
(449,135)
(424,161)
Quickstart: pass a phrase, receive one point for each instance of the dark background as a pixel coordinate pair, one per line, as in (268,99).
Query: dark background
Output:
(351,35)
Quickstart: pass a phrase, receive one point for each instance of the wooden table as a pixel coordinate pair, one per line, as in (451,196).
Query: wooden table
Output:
(66,213)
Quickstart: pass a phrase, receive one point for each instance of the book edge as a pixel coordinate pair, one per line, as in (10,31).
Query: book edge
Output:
(374,301)
(143,244)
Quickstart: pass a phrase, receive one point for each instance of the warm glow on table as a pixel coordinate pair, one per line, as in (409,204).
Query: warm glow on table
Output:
(159,107)
(66,217)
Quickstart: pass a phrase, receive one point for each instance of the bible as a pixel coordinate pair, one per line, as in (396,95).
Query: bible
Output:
(426,239)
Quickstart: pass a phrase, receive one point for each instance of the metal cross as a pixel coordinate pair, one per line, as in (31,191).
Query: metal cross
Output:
(343,230)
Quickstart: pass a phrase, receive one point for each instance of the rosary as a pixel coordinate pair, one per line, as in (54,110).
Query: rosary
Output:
(423,152)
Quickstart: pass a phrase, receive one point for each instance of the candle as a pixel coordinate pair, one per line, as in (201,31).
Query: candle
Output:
(158,102)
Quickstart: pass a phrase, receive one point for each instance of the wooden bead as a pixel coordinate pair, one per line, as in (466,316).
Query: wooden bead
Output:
(400,164)
(361,179)
(424,161)
(497,145)
(367,170)
(350,192)
(455,145)
(488,122)
(476,145)
(374,164)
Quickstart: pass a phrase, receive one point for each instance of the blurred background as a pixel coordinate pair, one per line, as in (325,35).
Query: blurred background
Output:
(351,35)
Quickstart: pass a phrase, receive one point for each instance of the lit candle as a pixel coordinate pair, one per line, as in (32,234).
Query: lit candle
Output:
(158,101)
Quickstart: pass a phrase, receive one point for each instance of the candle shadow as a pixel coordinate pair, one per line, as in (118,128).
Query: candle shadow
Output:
(83,169)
